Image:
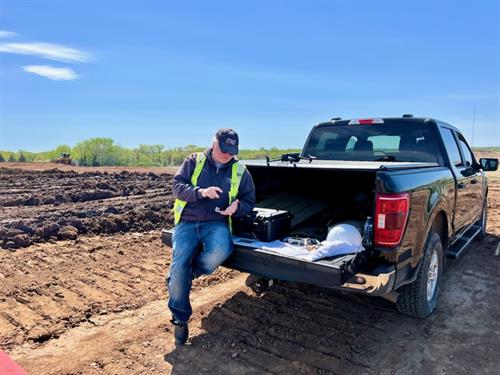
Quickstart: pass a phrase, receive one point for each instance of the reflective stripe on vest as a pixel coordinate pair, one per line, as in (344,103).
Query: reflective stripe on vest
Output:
(179,204)
(236,175)
(237,170)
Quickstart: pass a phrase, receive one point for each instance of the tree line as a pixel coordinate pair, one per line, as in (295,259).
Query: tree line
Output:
(105,152)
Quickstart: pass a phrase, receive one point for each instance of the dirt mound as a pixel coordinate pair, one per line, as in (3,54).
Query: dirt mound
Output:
(53,205)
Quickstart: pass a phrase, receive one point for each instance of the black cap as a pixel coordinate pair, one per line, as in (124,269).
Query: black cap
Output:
(228,140)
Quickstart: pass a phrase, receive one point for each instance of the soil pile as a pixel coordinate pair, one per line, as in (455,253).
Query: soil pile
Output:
(51,205)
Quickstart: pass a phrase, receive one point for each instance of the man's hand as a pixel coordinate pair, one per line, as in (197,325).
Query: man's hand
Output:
(211,192)
(231,209)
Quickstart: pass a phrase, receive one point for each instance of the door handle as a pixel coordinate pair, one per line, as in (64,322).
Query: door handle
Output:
(460,186)
(473,182)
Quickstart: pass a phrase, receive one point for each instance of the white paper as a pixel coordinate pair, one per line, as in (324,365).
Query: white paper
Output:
(325,250)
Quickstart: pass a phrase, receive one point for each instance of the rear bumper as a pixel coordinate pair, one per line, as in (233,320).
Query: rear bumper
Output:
(377,283)
(274,266)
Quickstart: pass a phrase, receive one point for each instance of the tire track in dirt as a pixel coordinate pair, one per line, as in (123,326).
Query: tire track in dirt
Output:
(49,289)
(108,335)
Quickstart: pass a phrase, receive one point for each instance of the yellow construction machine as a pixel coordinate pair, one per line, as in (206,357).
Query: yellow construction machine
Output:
(64,159)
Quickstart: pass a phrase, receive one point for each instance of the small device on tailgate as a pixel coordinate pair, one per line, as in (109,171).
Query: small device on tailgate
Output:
(264,224)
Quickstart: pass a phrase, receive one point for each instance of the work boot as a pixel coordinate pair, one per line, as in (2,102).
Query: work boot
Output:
(181,332)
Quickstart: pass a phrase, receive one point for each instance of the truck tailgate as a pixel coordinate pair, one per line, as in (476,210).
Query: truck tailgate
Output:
(276,266)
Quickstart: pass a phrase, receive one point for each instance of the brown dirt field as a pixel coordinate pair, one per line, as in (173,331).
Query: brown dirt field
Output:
(489,154)
(49,205)
(95,304)
(43,166)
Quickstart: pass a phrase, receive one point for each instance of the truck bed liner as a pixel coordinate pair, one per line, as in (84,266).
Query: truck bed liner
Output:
(301,208)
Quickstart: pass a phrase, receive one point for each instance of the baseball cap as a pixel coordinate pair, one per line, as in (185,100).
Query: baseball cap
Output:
(228,140)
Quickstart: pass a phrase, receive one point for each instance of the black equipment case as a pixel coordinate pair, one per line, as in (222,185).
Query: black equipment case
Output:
(263,224)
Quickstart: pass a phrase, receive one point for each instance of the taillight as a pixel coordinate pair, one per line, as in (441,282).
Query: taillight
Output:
(391,214)
(366,121)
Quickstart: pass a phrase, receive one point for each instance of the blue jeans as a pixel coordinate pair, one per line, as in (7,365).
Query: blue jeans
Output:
(188,262)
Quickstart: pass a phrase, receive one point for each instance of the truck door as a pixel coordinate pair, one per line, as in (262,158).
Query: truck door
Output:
(474,179)
(463,179)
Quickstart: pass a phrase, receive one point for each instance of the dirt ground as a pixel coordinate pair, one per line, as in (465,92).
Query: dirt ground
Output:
(40,206)
(82,274)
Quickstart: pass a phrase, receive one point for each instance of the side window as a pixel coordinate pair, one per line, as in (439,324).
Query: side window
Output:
(466,150)
(451,147)
(350,144)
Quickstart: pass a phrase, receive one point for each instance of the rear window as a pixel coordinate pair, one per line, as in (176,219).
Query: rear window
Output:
(375,142)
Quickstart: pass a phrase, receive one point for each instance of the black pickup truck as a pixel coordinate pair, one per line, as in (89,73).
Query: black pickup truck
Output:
(414,186)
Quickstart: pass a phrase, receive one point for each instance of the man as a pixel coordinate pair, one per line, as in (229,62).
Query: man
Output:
(210,188)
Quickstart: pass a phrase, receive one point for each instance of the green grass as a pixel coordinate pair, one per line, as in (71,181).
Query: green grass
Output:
(491,148)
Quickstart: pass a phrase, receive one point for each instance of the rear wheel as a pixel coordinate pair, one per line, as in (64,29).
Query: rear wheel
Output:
(419,299)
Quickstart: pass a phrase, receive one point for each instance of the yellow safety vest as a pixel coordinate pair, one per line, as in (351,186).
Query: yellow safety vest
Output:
(237,170)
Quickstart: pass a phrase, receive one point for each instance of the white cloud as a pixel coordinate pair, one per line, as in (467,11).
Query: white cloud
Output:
(50,72)
(46,50)
(7,34)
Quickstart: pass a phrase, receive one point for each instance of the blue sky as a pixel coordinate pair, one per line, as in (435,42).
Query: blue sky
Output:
(171,73)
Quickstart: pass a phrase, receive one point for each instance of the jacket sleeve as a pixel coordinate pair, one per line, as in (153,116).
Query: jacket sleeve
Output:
(246,195)
(182,187)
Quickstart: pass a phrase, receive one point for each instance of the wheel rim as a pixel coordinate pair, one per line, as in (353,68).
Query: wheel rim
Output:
(432,275)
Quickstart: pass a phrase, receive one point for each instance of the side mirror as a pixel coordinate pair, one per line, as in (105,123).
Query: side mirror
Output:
(489,164)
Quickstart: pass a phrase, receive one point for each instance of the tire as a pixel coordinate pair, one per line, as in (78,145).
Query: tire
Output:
(483,221)
(419,299)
